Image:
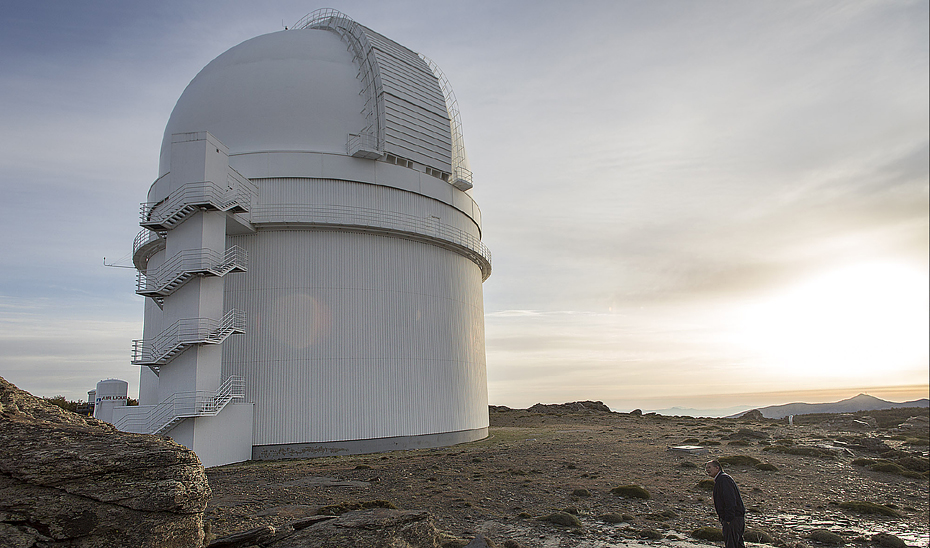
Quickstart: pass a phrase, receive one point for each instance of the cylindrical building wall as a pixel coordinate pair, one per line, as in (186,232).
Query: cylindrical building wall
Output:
(357,336)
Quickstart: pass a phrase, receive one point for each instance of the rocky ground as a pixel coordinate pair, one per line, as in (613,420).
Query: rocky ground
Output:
(565,461)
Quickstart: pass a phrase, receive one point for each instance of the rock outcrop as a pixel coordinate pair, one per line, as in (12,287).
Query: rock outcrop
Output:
(377,528)
(70,480)
(572,407)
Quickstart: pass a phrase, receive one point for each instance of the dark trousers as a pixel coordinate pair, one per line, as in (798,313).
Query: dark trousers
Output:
(733,533)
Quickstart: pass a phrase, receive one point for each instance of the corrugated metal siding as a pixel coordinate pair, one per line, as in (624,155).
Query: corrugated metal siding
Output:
(356,336)
(416,121)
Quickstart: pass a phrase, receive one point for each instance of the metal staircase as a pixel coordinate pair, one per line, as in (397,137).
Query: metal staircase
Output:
(164,416)
(177,270)
(189,198)
(183,334)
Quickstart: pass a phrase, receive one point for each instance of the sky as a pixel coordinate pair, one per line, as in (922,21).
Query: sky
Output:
(696,204)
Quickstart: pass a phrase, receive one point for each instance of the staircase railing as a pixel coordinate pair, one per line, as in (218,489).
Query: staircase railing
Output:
(183,201)
(163,416)
(183,334)
(171,275)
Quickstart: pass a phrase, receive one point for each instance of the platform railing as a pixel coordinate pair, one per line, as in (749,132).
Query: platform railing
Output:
(373,218)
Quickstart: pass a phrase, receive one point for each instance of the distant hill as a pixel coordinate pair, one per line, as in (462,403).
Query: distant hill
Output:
(693,412)
(862,402)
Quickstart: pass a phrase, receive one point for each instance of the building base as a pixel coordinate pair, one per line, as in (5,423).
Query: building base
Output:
(358,447)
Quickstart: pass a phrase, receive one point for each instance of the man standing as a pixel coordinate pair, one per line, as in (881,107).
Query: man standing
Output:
(729,505)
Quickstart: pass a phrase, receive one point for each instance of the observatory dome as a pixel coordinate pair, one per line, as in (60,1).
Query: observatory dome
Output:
(284,91)
(311,257)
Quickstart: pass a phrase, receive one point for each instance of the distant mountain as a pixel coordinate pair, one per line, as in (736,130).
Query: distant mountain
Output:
(862,402)
(692,412)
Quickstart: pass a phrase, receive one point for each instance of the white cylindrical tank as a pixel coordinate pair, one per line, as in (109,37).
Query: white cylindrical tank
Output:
(110,393)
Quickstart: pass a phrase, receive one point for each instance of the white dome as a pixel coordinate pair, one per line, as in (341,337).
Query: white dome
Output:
(293,90)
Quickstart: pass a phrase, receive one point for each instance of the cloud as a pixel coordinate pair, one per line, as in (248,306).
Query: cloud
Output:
(643,168)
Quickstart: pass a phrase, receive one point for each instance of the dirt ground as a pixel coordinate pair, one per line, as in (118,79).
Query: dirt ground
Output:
(533,465)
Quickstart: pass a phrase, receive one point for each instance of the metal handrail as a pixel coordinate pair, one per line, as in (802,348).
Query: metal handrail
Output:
(158,418)
(368,217)
(144,237)
(186,332)
(369,71)
(199,193)
(461,174)
(194,261)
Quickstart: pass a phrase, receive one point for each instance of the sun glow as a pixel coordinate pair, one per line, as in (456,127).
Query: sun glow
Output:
(866,321)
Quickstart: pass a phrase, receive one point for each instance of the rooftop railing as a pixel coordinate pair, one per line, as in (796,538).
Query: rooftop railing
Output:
(385,221)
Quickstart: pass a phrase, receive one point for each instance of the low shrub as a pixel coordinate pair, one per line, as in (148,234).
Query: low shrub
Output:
(802,451)
(886,466)
(826,537)
(687,464)
(864,507)
(611,518)
(739,460)
(766,467)
(581,493)
(562,518)
(707,484)
(708,533)
(650,534)
(888,540)
(661,516)
(758,536)
(631,492)
(914,463)
(863,462)
(740,443)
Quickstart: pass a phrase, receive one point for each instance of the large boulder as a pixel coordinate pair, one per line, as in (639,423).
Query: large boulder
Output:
(75,481)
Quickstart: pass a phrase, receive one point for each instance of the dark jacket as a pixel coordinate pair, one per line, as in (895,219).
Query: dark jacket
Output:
(727,501)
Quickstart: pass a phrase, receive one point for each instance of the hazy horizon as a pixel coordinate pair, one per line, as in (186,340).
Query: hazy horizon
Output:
(696,204)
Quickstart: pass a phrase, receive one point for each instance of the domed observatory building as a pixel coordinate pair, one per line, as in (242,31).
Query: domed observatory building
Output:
(311,256)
